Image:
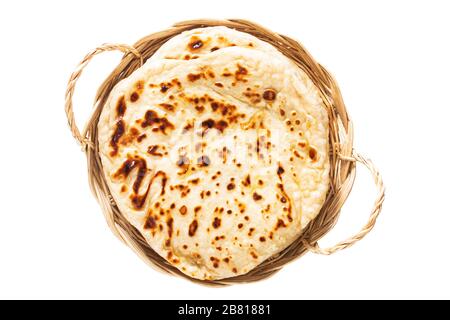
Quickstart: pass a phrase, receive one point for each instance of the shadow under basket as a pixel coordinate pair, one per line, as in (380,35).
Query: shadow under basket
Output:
(342,157)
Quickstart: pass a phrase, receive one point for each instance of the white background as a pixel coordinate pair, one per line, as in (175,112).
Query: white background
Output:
(391,60)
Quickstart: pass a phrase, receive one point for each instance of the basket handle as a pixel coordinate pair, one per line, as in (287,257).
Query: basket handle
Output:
(373,215)
(68,107)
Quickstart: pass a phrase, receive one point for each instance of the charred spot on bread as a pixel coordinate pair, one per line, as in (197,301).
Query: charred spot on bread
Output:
(182,161)
(193,228)
(219,125)
(134,96)
(183,210)
(257,196)
(121,107)
(153,150)
(118,133)
(167,106)
(152,119)
(280,224)
(192,77)
(312,153)
(216,222)
(240,73)
(195,44)
(165,87)
(150,222)
(231,186)
(269,95)
(203,161)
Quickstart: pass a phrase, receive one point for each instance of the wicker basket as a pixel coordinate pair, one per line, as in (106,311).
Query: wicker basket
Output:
(342,156)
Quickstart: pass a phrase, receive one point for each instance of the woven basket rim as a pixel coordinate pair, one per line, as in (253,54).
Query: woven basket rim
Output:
(341,155)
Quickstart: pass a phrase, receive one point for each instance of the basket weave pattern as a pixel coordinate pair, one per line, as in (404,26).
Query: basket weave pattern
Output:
(343,158)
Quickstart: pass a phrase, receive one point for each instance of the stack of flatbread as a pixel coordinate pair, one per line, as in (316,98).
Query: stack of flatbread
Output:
(216,151)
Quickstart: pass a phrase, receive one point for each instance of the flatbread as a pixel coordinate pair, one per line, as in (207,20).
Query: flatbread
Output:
(216,150)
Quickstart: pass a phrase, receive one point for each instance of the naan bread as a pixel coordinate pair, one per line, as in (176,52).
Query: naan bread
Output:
(216,150)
